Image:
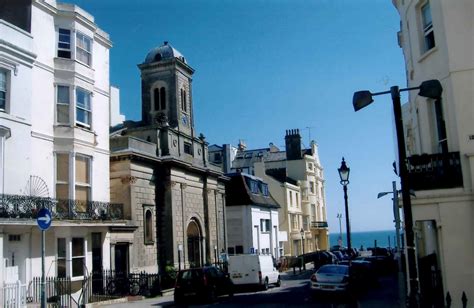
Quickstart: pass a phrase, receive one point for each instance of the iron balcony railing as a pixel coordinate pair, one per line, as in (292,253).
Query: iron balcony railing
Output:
(319,224)
(18,206)
(434,171)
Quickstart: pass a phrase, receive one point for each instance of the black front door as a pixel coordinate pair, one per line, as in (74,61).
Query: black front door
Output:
(97,270)
(121,258)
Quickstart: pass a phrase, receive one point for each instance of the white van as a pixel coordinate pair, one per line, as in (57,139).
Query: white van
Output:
(253,270)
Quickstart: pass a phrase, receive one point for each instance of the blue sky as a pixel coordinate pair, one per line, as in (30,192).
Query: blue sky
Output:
(266,66)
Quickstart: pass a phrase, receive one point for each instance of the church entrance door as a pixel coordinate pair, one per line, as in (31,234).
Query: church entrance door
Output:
(194,244)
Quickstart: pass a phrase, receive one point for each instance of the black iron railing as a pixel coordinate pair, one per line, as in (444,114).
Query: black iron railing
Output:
(435,171)
(18,206)
(57,291)
(319,224)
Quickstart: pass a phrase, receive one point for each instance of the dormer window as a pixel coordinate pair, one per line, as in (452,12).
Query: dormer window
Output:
(159,98)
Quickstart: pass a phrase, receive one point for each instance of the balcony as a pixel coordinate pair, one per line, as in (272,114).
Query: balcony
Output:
(319,224)
(434,171)
(27,207)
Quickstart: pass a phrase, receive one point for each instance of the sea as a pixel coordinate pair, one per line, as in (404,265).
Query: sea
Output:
(366,239)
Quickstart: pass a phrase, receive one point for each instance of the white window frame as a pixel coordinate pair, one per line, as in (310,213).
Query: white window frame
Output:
(428,28)
(89,175)
(5,87)
(68,241)
(68,104)
(58,258)
(83,257)
(71,55)
(81,47)
(84,108)
(265,225)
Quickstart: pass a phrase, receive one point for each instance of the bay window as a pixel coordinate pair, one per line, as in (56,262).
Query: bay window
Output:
(73,184)
(82,43)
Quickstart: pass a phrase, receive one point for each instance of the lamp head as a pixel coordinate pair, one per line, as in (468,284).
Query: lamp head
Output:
(361,99)
(344,172)
(431,89)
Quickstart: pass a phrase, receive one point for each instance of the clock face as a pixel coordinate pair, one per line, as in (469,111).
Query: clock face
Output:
(184,119)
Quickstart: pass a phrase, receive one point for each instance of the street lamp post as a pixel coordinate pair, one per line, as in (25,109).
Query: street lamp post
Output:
(302,243)
(339,215)
(430,89)
(344,175)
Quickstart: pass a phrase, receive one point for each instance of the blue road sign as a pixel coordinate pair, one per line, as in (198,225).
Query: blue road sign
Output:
(44,219)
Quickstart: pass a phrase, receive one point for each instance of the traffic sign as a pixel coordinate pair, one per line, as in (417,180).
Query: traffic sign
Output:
(44,219)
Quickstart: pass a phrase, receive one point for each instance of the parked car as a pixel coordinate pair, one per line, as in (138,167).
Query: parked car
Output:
(257,270)
(362,273)
(203,283)
(331,278)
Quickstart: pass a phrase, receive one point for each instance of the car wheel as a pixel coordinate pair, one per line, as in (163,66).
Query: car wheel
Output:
(265,284)
(211,296)
(278,283)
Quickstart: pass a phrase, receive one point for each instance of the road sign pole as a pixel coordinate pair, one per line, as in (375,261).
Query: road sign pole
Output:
(43,295)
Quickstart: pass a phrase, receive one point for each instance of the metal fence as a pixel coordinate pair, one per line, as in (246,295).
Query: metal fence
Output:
(57,291)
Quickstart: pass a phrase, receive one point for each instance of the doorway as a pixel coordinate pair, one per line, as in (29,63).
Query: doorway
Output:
(194,236)
(121,258)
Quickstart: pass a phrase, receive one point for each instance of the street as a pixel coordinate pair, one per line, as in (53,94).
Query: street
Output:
(294,291)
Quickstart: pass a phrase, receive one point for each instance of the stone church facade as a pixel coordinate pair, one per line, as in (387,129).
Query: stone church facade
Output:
(160,171)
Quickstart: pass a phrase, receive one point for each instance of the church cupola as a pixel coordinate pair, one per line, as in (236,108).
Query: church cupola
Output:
(167,89)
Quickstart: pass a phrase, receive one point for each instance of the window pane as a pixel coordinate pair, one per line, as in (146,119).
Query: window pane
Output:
(3,81)
(77,246)
(3,99)
(63,94)
(77,267)
(62,167)
(62,114)
(62,191)
(426,12)
(82,193)
(61,248)
(83,99)
(61,268)
(82,169)
(83,116)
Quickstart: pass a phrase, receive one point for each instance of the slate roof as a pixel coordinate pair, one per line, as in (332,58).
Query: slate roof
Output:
(239,193)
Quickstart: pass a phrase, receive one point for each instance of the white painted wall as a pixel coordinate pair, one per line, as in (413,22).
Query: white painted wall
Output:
(452,62)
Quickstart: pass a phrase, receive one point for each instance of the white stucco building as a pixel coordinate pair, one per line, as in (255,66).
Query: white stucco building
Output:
(54,142)
(437,41)
(252,217)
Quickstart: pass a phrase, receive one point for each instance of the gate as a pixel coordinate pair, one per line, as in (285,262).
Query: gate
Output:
(13,295)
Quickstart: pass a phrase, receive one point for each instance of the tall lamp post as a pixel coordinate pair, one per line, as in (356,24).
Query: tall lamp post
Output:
(302,243)
(431,89)
(344,175)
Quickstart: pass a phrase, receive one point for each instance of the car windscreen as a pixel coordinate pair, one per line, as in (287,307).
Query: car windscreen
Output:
(340,270)
(190,275)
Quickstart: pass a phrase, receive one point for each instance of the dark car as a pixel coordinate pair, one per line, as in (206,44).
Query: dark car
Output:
(205,283)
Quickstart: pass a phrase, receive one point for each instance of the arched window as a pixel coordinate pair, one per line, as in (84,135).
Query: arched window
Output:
(156,99)
(163,98)
(148,227)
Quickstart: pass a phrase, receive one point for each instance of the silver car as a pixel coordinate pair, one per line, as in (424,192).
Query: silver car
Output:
(331,278)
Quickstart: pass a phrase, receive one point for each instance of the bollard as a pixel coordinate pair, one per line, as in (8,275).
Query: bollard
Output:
(294,270)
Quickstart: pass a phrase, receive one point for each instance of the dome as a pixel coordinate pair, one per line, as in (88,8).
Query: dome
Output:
(164,52)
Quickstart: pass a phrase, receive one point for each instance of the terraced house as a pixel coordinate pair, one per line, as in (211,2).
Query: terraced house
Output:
(54,143)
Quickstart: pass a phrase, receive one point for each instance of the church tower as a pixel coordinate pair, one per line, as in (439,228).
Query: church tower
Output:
(167,89)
